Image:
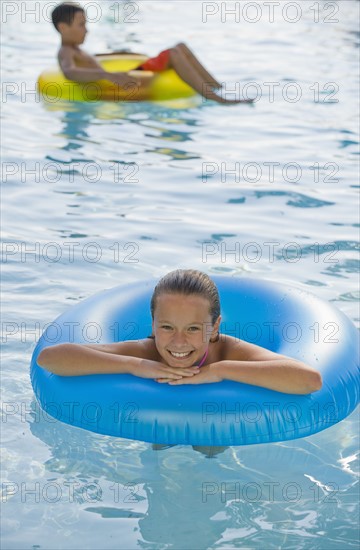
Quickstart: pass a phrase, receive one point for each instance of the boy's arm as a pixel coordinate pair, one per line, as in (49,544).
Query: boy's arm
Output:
(79,74)
(84,74)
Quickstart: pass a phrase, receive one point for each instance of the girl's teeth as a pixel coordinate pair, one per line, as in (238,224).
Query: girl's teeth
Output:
(179,355)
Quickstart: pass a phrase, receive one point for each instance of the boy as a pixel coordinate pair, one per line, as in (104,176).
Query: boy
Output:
(70,21)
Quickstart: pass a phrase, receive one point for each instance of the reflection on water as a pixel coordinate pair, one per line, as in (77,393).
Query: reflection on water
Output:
(298,200)
(97,111)
(174,154)
(292,489)
(77,117)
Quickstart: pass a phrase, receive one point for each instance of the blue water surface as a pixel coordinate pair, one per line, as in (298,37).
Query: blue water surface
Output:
(96,195)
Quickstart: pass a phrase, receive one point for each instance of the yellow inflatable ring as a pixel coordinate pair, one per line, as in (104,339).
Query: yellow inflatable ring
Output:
(54,87)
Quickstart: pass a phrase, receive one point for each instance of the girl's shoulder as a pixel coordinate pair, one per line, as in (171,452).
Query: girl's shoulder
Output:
(235,349)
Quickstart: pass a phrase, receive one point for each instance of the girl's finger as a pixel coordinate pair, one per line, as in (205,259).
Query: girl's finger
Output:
(173,377)
(175,382)
(186,372)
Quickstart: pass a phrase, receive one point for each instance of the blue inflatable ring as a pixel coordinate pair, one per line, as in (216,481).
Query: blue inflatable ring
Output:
(283,319)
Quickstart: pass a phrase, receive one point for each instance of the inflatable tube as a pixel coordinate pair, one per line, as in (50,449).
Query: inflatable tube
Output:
(54,87)
(281,318)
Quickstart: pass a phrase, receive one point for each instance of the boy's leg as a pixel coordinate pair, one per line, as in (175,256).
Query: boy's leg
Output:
(198,66)
(181,65)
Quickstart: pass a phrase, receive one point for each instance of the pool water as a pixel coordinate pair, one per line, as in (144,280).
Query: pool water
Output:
(96,195)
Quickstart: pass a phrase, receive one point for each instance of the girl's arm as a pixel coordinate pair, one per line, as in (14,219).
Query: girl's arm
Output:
(283,374)
(80,360)
(257,366)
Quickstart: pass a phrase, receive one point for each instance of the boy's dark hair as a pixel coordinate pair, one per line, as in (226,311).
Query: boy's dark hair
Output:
(188,282)
(65,13)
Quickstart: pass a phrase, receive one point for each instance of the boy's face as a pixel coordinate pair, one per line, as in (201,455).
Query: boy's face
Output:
(182,328)
(75,32)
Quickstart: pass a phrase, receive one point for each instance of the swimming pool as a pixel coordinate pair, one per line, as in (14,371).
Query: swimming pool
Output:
(101,194)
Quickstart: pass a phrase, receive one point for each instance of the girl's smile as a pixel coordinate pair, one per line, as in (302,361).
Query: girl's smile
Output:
(182,328)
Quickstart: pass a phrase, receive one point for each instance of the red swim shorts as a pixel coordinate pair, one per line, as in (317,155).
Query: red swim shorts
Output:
(156,64)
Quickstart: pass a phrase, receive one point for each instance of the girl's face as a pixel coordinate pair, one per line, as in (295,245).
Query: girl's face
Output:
(182,328)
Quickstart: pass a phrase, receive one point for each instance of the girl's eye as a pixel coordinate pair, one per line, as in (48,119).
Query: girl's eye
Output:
(166,327)
(194,329)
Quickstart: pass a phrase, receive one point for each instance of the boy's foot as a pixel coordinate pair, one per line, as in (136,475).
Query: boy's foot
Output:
(219,99)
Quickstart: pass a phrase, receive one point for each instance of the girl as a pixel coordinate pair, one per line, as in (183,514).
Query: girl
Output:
(185,347)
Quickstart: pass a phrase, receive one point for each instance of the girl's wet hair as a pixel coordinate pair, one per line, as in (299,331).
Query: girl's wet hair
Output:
(188,282)
(65,13)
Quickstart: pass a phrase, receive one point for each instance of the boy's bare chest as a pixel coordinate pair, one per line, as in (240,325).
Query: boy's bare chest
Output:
(83,59)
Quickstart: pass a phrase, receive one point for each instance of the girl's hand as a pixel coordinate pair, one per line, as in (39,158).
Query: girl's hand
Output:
(206,375)
(144,368)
